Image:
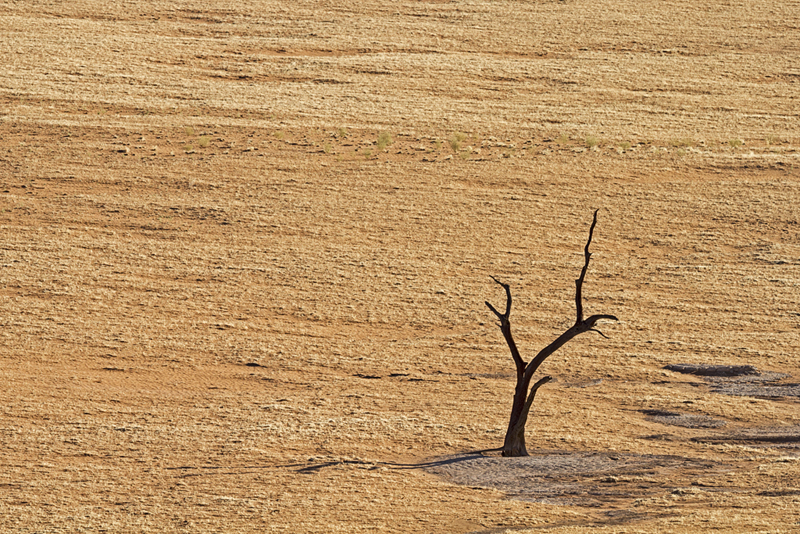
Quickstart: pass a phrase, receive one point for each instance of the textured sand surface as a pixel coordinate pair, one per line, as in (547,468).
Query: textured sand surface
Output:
(227,307)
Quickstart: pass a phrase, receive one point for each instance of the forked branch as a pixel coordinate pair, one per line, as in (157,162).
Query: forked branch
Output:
(581,325)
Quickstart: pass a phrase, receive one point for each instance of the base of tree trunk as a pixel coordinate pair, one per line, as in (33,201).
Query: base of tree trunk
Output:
(516,451)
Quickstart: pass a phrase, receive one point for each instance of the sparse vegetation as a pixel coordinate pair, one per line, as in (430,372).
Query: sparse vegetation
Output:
(327,148)
(682,143)
(189,131)
(203,141)
(384,140)
(735,143)
(563,139)
(624,145)
(279,135)
(592,141)
(342,133)
(455,141)
(770,140)
(437,144)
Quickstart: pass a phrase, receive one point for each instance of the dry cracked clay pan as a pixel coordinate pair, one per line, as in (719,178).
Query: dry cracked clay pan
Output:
(578,478)
(608,478)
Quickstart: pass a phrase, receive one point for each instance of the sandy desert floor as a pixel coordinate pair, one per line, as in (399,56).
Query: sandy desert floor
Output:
(244,254)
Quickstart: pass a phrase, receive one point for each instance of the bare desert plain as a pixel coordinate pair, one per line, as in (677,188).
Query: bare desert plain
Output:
(245,249)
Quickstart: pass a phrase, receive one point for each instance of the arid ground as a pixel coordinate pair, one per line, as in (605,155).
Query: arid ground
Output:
(245,249)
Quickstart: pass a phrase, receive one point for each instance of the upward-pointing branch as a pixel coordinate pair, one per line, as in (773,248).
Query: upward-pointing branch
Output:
(579,282)
(505,327)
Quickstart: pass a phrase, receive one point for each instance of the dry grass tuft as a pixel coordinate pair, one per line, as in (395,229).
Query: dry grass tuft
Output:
(384,140)
(455,141)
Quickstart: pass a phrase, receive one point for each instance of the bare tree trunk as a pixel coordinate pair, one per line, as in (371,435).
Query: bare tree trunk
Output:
(514,444)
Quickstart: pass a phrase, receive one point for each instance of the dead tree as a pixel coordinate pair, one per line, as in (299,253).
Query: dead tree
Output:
(514,444)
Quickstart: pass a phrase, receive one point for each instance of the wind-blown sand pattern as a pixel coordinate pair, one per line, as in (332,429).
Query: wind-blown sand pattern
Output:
(225,307)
